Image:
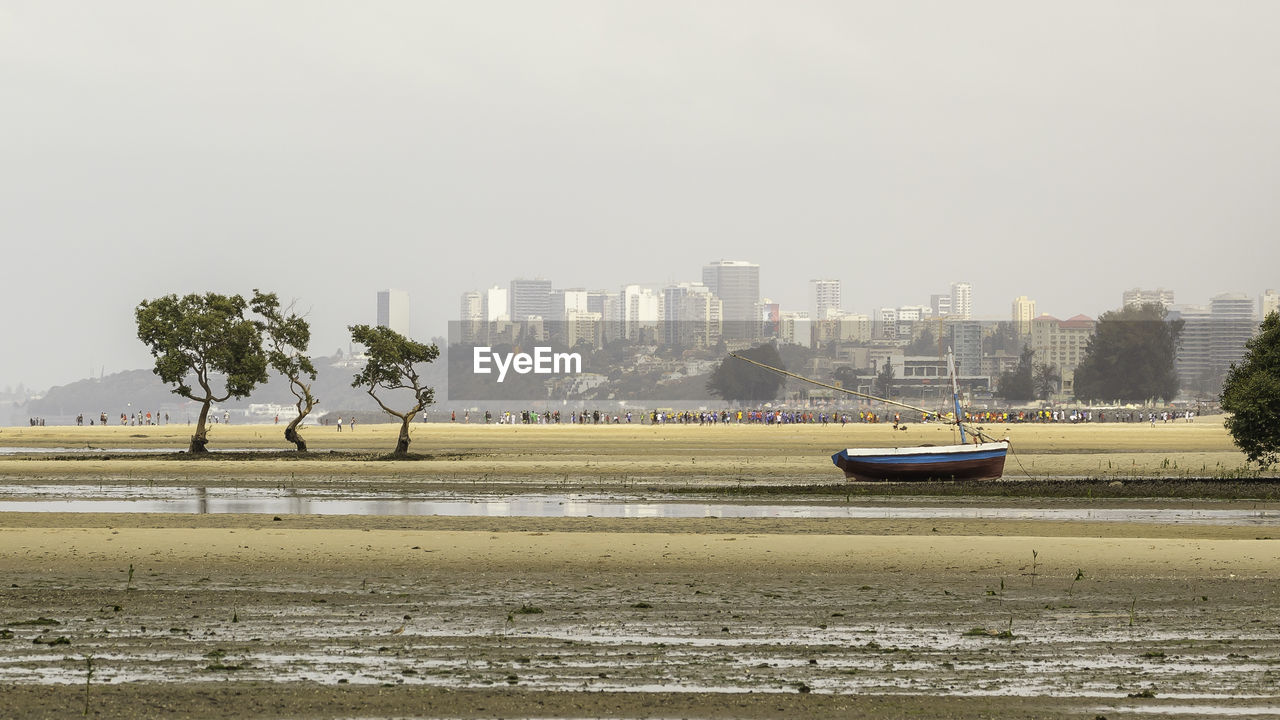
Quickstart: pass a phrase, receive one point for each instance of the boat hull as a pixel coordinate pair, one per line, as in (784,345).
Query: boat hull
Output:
(982,461)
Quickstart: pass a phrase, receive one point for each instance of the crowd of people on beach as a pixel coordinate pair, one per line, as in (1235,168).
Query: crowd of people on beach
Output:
(795,417)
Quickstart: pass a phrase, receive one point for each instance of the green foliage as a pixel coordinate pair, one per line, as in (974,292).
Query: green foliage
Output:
(742,382)
(925,344)
(392,366)
(198,336)
(1046,378)
(1019,385)
(287,336)
(884,381)
(1130,357)
(1251,394)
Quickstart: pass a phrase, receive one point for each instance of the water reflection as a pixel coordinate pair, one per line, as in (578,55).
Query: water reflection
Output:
(85,498)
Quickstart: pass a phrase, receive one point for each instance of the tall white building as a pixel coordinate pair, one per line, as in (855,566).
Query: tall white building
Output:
(826,297)
(641,313)
(795,328)
(690,315)
(495,304)
(962,301)
(1138,296)
(941,305)
(1268,303)
(1024,311)
(471,317)
(393,310)
(737,284)
(530,299)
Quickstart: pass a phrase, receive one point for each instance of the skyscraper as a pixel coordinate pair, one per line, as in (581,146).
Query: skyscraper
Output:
(737,284)
(393,310)
(1138,296)
(826,297)
(1024,311)
(1268,303)
(962,301)
(530,298)
(495,304)
(1233,326)
(471,317)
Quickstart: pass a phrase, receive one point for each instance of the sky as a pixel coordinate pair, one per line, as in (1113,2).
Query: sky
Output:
(327,150)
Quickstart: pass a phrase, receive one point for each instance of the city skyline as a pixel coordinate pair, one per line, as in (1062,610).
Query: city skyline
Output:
(431,147)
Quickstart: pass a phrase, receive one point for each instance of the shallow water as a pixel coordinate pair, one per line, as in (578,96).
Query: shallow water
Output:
(186,500)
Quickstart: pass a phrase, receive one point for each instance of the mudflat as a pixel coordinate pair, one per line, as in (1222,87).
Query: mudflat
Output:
(127,615)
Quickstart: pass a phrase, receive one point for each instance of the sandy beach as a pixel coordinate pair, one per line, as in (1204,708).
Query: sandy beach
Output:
(338,616)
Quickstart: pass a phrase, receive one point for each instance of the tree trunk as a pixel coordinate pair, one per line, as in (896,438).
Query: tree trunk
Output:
(291,434)
(402,444)
(201,438)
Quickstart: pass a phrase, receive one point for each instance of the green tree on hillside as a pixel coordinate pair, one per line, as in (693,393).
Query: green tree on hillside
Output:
(392,366)
(1019,385)
(1130,357)
(1251,394)
(287,336)
(741,382)
(206,338)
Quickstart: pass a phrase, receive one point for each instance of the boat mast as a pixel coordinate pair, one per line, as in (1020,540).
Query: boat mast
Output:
(955,392)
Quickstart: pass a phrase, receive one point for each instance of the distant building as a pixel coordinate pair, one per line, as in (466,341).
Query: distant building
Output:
(471,320)
(691,315)
(795,328)
(495,304)
(393,310)
(961,301)
(584,327)
(530,299)
(1193,360)
(641,313)
(1024,311)
(1159,296)
(1062,343)
(1233,326)
(564,302)
(826,297)
(966,344)
(737,284)
(1268,303)
(941,305)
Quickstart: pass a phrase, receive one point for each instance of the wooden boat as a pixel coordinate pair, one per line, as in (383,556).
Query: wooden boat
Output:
(982,459)
(972,461)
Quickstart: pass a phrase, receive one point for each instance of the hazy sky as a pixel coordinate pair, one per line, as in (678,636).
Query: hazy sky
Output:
(325,150)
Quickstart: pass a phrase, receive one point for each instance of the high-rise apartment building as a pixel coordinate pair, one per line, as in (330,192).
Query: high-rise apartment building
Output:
(530,299)
(1268,303)
(1138,296)
(1062,343)
(1024,311)
(1193,359)
(962,301)
(565,301)
(966,344)
(1233,326)
(690,315)
(737,284)
(393,310)
(495,303)
(941,305)
(826,297)
(471,323)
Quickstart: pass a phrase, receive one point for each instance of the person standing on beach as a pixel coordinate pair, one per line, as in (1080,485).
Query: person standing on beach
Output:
(339,423)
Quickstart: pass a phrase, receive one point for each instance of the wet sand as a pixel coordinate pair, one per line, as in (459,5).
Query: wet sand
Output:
(224,616)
